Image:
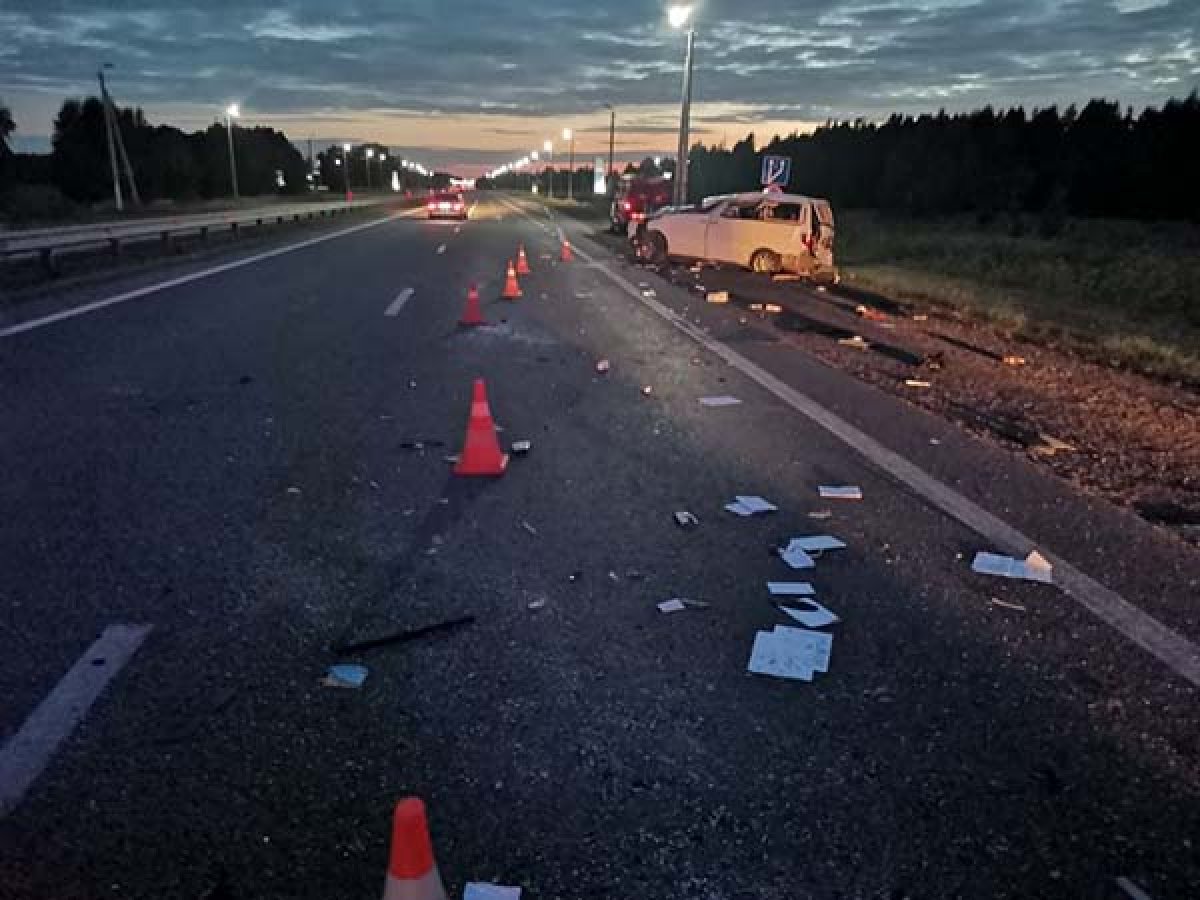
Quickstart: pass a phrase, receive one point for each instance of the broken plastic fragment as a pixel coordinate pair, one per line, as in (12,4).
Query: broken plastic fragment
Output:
(750,506)
(773,308)
(685,519)
(817,543)
(840,492)
(719,401)
(345,676)
(718,296)
(519,448)
(796,557)
(673,605)
(603,365)
(856,342)
(1034,567)
(811,615)
(917,383)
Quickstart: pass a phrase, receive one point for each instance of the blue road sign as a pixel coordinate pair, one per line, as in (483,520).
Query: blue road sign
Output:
(776,170)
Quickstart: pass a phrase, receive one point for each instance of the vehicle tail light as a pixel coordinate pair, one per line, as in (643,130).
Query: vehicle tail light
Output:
(628,206)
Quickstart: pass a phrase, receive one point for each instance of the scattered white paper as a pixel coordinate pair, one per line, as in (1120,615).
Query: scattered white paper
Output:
(345,676)
(719,401)
(796,557)
(738,510)
(670,606)
(1034,567)
(792,653)
(756,504)
(847,492)
(791,589)
(817,543)
(477,890)
(718,296)
(811,615)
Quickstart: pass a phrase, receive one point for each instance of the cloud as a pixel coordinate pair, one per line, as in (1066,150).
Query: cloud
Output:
(460,75)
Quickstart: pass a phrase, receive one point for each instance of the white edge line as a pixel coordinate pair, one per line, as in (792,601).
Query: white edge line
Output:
(27,753)
(95,305)
(398,304)
(1131,888)
(1167,645)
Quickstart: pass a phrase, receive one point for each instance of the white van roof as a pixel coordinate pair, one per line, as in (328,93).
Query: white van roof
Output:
(774,196)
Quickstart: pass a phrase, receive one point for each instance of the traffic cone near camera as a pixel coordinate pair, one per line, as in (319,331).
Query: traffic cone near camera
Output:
(481,451)
(522,261)
(566,255)
(412,872)
(512,288)
(472,314)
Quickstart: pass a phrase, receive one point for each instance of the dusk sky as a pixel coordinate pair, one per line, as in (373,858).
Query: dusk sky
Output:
(475,84)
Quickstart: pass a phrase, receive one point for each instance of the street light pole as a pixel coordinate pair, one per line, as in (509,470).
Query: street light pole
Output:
(680,16)
(231,113)
(548,146)
(612,139)
(370,153)
(346,168)
(569,135)
(112,146)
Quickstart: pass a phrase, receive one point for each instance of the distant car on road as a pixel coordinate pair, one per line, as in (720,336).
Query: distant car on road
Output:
(636,199)
(447,205)
(766,232)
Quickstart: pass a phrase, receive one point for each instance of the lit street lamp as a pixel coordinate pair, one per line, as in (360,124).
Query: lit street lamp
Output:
(680,16)
(612,140)
(232,112)
(346,168)
(548,149)
(569,135)
(370,154)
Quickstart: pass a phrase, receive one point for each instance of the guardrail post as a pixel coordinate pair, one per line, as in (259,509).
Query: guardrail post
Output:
(114,245)
(166,241)
(233,229)
(48,262)
(279,220)
(204,233)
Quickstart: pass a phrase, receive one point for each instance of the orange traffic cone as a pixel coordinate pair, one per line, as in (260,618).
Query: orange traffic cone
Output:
(472,315)
(481,452)
(566,255)
(522,261)
(512,288)
(412,872)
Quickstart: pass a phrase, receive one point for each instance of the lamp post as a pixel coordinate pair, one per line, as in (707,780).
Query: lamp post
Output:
(231,113)
(569,136)
(612,140)
(346,169)
(680,16)
(548,149)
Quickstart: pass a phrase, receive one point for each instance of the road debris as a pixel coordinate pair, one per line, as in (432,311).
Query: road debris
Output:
(719,401)
(856,342)
(602,366)
(773,308)
(402,637)
(520,448)
(1014,361)
(756,307)
(1015,606)
(785,276)
(796,557)
(750,506)
(792,653)
(817,543)
(685,519)
(1050,445)
(647,390)
(649,292)
(917,383)
(811,615)
(718,296)
(347,676)
(539,603)
(821,514)
(872,315)
(1132,889)
(529,528)
(673,605)
(479,890)
(293,490)
(1034,567)
(791,589)
(840,492)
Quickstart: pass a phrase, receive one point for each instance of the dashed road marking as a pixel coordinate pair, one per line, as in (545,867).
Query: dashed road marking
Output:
(398,304)
(27,753)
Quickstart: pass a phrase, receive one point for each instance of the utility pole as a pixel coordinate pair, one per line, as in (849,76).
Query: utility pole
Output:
(681,159)
(116,145)
(612,140)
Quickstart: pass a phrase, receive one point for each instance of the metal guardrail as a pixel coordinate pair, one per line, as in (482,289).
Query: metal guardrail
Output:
(47,242)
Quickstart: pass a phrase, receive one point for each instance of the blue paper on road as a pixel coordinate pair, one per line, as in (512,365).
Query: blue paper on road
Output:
(791,588)
(811,614)
(478,890)
(817,543)
(796,557)
(793,653)
(346,676)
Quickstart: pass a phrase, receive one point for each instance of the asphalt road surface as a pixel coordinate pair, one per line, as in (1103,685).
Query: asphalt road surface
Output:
(253,464)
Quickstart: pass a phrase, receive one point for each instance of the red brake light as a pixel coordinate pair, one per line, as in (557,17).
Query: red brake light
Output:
(628,206)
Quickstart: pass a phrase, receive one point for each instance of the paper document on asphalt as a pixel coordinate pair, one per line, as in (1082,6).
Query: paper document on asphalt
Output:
(793,653)
(817,543)
(842,492)
(1033,568)
(738,510)
(756,504)
(791,589)
(670,606)
(811,615)
(719,401)
(477,890)
(796,557)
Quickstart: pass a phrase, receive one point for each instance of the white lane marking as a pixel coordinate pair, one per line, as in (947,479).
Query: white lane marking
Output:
(186,279)
(26,754)
(441,249)
(1167,645)
(1131,888)
(398,304)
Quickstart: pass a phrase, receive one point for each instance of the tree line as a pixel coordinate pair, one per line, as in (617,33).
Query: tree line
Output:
(1091,162)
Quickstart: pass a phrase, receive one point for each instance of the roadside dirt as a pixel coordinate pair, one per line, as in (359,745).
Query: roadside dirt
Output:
(1130,439)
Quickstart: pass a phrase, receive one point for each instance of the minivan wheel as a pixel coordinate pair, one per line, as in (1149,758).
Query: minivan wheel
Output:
(655,247)
(766,261)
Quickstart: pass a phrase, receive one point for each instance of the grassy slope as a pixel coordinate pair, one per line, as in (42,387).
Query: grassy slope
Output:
(1123,293)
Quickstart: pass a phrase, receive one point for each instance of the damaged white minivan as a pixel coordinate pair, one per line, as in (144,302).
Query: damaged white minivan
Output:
(766,232)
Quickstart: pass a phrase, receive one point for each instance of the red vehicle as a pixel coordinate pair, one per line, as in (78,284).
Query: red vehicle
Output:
(445,205)
(637,198)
